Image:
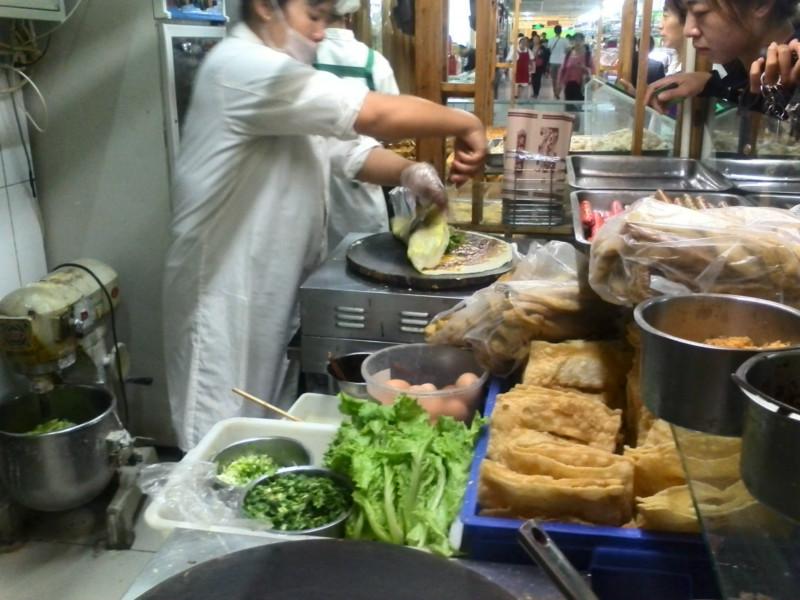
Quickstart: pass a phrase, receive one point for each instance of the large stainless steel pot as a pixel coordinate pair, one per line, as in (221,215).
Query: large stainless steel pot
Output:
(63,469)
(688,382)
(771,440)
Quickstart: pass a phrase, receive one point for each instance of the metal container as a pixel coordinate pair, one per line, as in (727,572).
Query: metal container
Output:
(760,175)
(775,200)
(688,382)
(643,173)
(286,452)
(64,469)
(771,440)
(334,529)
(602,199)
(346,372)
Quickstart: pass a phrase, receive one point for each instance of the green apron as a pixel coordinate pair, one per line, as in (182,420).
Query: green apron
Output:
(364,72)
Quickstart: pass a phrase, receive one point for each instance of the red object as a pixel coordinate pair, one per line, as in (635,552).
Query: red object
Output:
(587,215)
(616,208)
(599,221)
(523,74)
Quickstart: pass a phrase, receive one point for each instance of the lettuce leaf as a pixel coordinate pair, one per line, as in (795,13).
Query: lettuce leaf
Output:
(409,474)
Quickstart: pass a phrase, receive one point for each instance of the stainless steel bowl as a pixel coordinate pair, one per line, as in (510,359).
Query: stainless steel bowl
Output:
(771,440)
(346,372)
(334,529)
(64,469)
(688,382)
(286,452)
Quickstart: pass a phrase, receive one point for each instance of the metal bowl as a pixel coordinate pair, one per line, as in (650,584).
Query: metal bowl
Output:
(62,469)
(286,452)
(771,440)
(688,382)
(334,529)
(349,366)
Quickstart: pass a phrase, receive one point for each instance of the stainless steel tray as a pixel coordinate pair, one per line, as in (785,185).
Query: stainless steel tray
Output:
(643,173)
(760,175)
(601,200)
(775,200)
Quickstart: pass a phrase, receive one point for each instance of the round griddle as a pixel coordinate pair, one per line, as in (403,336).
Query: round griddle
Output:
(327,570)
(382,257)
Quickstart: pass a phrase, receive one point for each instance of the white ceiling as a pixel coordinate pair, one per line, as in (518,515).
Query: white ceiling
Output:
(566,8)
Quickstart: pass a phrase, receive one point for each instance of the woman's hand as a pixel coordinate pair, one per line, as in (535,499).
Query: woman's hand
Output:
(780,65)
(682,86)
(470,153)
(423,181)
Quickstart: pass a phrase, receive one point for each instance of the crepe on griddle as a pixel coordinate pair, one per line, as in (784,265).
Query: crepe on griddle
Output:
(477,253)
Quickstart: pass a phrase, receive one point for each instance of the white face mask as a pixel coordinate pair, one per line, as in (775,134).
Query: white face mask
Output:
(299,47)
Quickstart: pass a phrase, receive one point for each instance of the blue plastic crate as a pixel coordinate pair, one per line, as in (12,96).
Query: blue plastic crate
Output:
(625,564)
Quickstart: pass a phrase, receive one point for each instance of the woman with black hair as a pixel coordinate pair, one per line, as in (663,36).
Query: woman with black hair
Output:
(733,33)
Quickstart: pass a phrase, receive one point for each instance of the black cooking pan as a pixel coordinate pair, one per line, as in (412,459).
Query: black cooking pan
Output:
(327,570)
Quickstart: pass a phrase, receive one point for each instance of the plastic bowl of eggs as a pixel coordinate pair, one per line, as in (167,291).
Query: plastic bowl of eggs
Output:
(445,380)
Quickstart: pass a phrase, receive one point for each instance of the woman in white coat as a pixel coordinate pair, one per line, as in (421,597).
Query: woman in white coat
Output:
(355,205)
(262,134)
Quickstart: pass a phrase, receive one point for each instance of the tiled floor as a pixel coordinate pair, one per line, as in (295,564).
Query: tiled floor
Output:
(67,560)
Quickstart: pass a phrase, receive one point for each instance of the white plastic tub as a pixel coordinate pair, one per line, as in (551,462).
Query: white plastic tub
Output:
(316,437)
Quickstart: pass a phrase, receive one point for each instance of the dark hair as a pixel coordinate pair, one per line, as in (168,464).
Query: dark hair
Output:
(557,29)
(782,10)
(677,8)
(246,8)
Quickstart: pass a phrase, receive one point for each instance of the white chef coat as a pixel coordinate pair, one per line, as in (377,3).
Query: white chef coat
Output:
(249,195)
(355,206)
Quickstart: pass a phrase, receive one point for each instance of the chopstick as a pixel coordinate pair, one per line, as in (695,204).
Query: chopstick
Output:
(271,407)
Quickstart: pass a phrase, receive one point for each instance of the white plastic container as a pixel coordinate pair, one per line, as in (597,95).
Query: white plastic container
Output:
(317,408)
(316,437)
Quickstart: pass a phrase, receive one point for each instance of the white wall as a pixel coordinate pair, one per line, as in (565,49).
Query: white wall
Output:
(22,258)
(102,173)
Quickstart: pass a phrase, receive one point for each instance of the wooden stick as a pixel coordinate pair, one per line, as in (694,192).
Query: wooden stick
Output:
(273,408)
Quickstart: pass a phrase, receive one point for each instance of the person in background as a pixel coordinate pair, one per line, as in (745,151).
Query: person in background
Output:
(522,75)
(263,131)
(354,206)
(732,33)
(538,54)
(576,70)
(558,50)
(672,20)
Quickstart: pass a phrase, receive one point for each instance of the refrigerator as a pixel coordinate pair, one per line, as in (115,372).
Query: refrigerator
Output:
(117,83)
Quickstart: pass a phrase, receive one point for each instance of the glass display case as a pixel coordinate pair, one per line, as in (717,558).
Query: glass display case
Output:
(604,121)
(732,132)
(755,550)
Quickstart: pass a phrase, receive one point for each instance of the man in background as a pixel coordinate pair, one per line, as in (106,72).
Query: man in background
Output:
(558,50)
(355,206)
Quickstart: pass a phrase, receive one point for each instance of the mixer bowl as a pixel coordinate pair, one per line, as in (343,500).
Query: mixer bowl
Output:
(64,469)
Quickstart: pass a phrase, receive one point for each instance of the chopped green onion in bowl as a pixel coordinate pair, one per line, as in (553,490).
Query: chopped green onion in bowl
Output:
(295,501)
(247,468)
(51,426)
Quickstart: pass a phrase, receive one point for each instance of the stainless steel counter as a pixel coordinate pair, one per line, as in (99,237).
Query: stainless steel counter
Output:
(185,548)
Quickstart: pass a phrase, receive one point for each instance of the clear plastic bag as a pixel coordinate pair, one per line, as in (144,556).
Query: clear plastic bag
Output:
(188,492)
(659,248)
(545,297)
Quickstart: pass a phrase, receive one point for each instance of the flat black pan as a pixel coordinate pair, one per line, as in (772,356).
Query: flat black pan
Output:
(382,257)
(327,570)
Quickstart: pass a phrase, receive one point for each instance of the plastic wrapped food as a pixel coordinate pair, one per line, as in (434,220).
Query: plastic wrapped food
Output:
(545,297)
(658,248)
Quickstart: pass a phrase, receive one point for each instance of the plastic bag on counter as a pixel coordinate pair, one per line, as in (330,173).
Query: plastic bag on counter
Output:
(659,248)
(187,492)
(545,297)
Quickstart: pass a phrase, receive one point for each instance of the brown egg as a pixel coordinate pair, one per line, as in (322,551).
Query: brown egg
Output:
(466,379)
(456,409)
(434,406)
(428,388)
(399,384)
